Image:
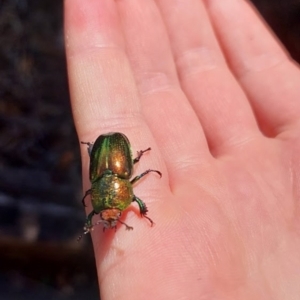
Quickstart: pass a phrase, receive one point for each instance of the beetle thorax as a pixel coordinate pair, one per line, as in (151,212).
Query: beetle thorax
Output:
(110,191)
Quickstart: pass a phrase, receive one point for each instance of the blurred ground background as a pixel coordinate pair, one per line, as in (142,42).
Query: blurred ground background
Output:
(40,176)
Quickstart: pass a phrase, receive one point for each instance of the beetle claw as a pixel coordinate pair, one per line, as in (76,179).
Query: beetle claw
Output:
(90,146)
(152,223)
(140,154)
(127,226)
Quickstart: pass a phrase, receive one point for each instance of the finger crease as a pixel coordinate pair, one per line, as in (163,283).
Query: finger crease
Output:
(198,60)
(260,63)
(150,82)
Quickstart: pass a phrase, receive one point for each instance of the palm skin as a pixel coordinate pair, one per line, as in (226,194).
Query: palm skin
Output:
(206,86)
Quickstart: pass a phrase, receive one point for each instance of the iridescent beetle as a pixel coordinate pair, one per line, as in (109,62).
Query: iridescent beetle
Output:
(111,166)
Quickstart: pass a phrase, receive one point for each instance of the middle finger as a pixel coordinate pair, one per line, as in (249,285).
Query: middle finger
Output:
(220,103)
(167,110)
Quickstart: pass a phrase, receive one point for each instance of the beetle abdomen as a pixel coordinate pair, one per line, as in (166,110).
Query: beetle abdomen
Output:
(111,152)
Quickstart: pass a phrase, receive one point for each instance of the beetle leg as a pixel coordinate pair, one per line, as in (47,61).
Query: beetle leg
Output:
(140,154)
(143,208)
(115,227)
(127,226)
(88,221)
(136,178)
(90,147)
(88,192)
(88,227)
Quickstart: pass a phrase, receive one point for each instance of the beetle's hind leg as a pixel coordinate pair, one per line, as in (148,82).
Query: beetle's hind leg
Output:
(143,208)
(90,146)
(136,178)
(140,154)
(88,192)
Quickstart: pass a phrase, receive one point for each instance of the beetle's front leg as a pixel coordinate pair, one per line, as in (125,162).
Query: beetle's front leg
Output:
(88,227)
(143,208)
(127,226)
(88,222)
(90,147)
(88,192)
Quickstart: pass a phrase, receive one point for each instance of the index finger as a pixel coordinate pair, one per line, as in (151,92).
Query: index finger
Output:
(103,91)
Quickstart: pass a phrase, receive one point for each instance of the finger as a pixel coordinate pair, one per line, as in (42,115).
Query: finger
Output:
(105,98)
(217,98)
(169,114)
(261,65)
(103,91)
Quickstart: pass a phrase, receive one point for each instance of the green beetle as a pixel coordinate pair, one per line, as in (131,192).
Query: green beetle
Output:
(111,166)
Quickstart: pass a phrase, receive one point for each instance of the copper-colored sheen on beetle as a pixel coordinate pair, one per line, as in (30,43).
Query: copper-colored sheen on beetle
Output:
(111,166)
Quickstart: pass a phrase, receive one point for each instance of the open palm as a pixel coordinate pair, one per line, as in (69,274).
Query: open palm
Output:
(210,90)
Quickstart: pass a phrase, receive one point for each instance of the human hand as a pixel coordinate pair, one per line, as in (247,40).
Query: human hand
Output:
(210,90)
